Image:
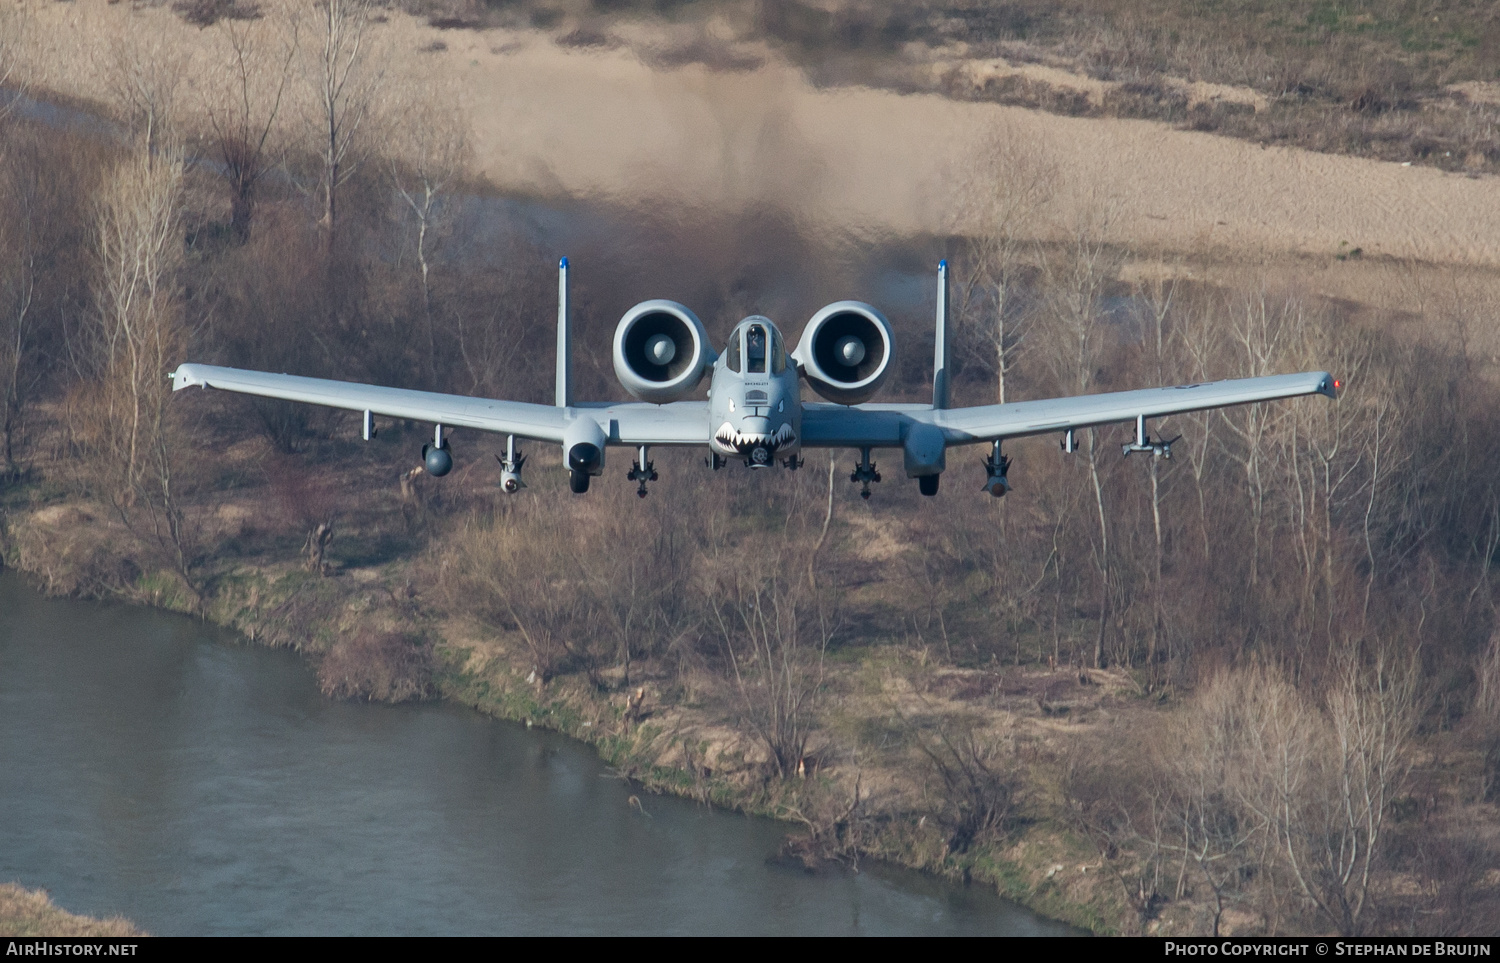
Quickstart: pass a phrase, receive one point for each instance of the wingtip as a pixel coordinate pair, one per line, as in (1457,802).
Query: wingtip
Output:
(184,377)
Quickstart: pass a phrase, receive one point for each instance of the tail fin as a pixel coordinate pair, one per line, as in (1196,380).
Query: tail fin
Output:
(564,342)
(940,342)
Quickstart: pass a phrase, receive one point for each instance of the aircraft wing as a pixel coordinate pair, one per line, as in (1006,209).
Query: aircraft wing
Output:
(887,425)
(542,422)
(628,423)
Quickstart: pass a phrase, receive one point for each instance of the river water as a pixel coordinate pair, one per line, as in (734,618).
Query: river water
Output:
(157,767)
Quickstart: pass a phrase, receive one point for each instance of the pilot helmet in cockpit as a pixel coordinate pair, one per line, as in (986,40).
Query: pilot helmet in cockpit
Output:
(755,348)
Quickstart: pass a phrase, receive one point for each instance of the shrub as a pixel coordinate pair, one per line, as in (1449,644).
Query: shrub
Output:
(377,666)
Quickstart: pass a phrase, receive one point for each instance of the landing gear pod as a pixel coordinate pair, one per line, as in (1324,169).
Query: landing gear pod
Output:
(583,452)
(925,453)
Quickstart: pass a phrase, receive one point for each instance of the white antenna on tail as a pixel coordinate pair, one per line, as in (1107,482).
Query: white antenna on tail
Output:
(564,397)
(940,342)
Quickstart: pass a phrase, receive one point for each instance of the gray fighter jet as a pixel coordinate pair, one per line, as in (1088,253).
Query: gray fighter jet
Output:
(755,412)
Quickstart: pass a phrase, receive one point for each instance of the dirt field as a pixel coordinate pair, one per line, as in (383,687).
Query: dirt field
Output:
(603,120)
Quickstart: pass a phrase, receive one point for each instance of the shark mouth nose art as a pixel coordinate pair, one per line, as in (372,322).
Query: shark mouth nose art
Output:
(743,441)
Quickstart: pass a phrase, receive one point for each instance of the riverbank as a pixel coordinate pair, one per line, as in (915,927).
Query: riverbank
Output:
(31,912)
(166,770)
(667,737)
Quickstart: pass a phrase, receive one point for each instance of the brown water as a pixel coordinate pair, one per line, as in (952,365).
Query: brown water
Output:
(153,766)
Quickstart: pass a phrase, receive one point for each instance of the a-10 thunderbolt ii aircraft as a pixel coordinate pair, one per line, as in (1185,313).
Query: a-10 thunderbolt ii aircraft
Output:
(755,411)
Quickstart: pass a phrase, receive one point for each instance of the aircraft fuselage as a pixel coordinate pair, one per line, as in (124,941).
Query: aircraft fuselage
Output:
(755,397)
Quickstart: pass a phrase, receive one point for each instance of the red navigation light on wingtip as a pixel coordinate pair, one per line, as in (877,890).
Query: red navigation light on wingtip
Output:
(1337,385)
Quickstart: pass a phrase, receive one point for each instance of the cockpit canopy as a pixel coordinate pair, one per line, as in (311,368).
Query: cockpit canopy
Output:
(754,346)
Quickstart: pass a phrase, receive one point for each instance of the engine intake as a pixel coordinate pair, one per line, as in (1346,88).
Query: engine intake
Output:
(845,352)
(661,351)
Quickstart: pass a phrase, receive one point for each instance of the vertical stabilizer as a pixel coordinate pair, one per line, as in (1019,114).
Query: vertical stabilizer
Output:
(564,341)
(940,342)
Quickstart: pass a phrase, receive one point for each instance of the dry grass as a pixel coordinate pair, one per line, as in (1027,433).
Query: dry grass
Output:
(31,912)
(377,667)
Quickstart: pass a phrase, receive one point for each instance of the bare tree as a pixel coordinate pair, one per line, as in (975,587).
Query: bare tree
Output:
(1078,282)
(345,74)
(636,595)
(17,307)
(1197,812)
(1002,198)
(496,572)
(1197,340)
(1374,708)
(1323,783)
(491,322)
(774,630)
(434,154)
(243,101)
(977,773)
(1157,298)
(143,71)
(1485,714)
(1264,330)
(13,80)
(138,335)
(138,327)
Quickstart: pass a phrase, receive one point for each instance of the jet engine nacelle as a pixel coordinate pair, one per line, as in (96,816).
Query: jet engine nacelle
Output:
(845,352)
(661,351)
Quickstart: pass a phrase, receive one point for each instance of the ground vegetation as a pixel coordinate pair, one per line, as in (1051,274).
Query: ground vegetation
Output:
(1294,619)
(31,912)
